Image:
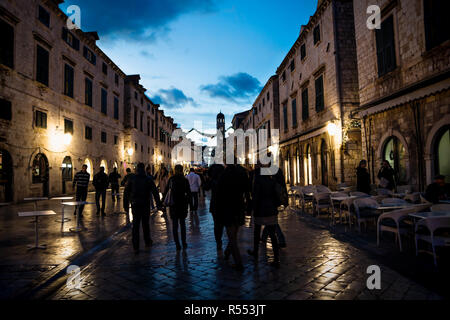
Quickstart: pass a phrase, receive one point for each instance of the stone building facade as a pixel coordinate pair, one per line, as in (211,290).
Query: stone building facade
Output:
(62,102)
(318,90)
(404,83)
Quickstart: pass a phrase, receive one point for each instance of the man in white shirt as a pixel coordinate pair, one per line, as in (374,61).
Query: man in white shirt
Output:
(194,182)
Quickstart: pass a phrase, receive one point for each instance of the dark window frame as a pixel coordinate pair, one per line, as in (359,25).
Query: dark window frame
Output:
(88,91)
(68,126)
(40,119)
(69,79)
(116,108)
(42,65)
(294,112)
(305,104)
(44,16)
(104,101)
(320,95)
(7,45)
(316,34)
(385,46)
(88,133)
(103,137)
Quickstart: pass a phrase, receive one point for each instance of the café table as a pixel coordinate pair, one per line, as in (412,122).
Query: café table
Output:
(78,228)
(445,201)
(62,210)
(432,214)
(35,200)
(36,215)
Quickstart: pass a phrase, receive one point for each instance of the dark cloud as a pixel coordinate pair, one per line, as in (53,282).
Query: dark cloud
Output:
(172,98)
(136,19)
(234,88)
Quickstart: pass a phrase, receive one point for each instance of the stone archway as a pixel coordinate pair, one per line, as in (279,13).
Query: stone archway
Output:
(40,173)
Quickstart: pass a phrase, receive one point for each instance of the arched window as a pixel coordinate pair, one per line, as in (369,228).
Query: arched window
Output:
(297,166)
(287,168)
(67,169)
(324,162)
(39,168)
(395,153)
(104,165)
(88,163)
(442,153)
(308,165)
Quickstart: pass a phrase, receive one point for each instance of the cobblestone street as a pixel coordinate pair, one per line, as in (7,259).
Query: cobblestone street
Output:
(315,265)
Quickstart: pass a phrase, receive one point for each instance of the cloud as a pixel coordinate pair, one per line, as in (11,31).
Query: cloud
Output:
(141,20)
(172,98)
(235,88)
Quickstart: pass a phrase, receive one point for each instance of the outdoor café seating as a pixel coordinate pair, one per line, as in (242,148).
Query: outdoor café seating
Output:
(440,207)
(434,231)
(323,201)
(365,210)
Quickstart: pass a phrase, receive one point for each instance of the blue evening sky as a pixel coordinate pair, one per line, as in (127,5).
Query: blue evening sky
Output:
(197,57)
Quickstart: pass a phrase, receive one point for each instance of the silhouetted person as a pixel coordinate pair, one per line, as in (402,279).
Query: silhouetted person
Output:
(362,177)
(194,183)
(81,182)
(139,190)
(126,201)
(233,190)
(438,190)
(214,173)
(114,182)
(178,209)
(386,176)
(100,183)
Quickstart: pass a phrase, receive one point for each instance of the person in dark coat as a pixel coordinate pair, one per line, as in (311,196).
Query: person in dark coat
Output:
(114,182)
(362,177)
(139,190)
(181,197)
(214,174)
(100,183)
(265,212)
(438,190)
(386,172)
(126,202)
(233,196)
(81,182)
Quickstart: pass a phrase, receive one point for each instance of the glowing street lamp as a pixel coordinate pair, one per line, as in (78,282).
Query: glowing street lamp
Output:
(332,129)
(130,151)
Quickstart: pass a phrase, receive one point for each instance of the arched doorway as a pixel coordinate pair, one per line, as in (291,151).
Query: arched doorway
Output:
(297,166)
(6,177)
(89,169)
(40,174)
(104,165)
(395,153)
(324,162)
(66,172)
(442,153)
(287,168)
(308,166)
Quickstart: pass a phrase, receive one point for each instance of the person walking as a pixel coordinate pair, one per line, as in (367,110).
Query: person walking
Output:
(81,182)
(100,183)
(140,189)
(180,194)
(362,177)
(114,182)
(163,178)
(194,183)
(214,173)
(233,196)
(265,212)
(126,202)
(386,176)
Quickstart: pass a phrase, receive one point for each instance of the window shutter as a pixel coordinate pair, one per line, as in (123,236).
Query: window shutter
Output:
(305,107)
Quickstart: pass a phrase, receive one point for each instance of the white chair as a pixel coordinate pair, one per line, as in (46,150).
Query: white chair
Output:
(324,201)
(384,192)
(396,222)
(365,210)
(413,197)
(359,194)
(393,201)
(440,207)
(337,203)
(322,189)
(435,231)
(307,196)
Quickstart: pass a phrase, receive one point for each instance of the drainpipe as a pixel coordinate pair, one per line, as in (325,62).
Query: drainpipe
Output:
(339,84)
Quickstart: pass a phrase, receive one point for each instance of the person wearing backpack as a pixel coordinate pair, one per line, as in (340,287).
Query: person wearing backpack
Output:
(139,190)
(177,197)
(266,198)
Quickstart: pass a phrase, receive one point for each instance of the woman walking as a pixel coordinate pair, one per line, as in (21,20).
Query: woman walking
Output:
(362,178)
(180,195)
(265,212)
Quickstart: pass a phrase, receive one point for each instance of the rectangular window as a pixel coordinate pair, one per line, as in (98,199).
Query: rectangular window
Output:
(68,80)
(135,95)
(116,108)
(437,25)
(7,44)
(44,16)
(303,51)
(148,127)
(285,116)
(385,46)
(316,34)
(283,76)
(5,109)
(141,121)
(305,106)
(68,126)
(116,79)
(104,101)
(292,65)
(88,133)
(103,137)
(89,55)
(104,68)
(135,117)
(148,107)
(116,140)
(42,65)
(268,96)
(319,94)
(88,92)
(294,112)
(153,128)
(70,39)
(142,148)
(40,119)
(135,146)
